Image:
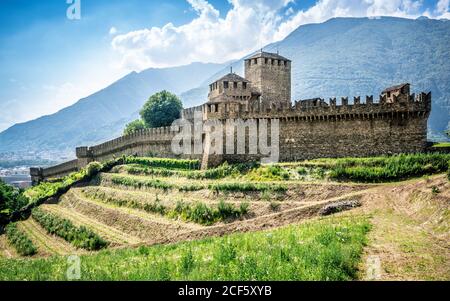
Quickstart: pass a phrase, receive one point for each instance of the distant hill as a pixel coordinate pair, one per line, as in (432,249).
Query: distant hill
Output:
(361,56)
(102,115)
(341,57)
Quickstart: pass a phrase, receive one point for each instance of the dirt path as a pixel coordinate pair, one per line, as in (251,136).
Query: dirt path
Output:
(410,235)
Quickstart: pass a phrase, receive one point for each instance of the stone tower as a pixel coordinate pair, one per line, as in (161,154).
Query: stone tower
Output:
(270,75)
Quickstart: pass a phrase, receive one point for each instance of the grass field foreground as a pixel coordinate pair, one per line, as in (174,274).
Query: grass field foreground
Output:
(326,249)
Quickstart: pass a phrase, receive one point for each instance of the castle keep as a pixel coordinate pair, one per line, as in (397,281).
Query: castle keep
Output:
(394,123)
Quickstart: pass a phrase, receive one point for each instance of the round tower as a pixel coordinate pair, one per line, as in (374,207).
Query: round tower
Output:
(270,75)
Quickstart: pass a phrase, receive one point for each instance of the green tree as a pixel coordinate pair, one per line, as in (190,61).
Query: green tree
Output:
(161,109)
(134,126)
(11,200)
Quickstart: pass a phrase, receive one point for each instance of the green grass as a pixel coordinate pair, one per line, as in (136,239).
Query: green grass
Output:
(327,249)
(80,237)
(386,168)
(19,240)
(164,163)
(441,144)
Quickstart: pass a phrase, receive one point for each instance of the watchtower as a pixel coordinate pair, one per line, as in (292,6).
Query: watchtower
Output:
(270,75)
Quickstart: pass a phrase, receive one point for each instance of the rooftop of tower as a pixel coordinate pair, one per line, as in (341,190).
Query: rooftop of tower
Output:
(232,77)
(269,55)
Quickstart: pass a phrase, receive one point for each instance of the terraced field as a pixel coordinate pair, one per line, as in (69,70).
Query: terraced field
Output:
(140,211)
(130,214)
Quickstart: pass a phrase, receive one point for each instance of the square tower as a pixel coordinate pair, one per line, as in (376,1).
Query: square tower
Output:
(270,75)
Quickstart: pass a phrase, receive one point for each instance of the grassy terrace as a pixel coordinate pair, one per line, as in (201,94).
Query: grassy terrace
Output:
(327,249)
(133,201)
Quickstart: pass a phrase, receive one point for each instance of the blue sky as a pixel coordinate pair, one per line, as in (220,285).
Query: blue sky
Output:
(49,62)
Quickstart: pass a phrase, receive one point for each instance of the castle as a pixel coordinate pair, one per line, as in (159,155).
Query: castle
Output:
(308,129)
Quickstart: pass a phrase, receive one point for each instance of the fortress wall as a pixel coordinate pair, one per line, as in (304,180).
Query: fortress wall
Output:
(317,129)
(61,169)
(355,137)
(308,129)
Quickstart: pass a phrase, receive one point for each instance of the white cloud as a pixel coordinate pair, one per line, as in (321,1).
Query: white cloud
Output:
(327,9)
(112,31)
(442,9)
(246,27)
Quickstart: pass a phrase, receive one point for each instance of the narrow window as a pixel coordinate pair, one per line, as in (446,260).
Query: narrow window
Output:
(244,85)
(266,61)
(255,62)
(225,85)
(235,85)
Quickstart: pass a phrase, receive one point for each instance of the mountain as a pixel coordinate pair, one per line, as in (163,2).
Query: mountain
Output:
(361,56)
(102,115)
(341,57)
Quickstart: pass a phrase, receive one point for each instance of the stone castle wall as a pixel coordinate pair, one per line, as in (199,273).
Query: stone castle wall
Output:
(308,129)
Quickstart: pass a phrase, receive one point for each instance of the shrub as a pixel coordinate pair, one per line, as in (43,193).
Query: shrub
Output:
(448,171)
(268,173)
(164,163)
(20,241)
(274,205)
(201,213)
(80,237)
(226,210)
(139,183)
(246,187)
(302,171)
(93,169)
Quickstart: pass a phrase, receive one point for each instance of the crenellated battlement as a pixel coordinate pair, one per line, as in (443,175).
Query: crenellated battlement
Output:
(318,108)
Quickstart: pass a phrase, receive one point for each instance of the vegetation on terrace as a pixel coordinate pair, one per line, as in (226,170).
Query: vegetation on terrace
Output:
(17,238)
(198,212)
(327,249)
(80,237)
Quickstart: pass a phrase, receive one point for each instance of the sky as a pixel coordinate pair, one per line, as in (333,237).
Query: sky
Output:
(55,52)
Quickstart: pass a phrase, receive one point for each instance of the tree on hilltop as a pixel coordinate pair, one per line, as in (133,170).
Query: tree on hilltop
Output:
(161,109)
(134,126)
